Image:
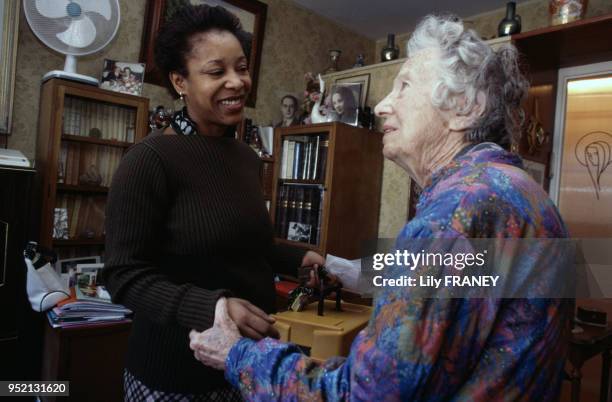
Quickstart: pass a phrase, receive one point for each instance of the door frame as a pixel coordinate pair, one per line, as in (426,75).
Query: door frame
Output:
(564,76)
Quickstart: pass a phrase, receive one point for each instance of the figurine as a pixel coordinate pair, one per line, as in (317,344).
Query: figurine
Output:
(302,295)
(91,177)
(321,113)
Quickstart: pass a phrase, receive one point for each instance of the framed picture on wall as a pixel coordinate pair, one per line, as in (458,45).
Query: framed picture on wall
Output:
(252,15)
(364,82)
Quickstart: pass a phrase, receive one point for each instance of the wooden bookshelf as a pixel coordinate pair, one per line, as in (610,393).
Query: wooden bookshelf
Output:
(84,132)
(110,143)
(81,188)
(347,178)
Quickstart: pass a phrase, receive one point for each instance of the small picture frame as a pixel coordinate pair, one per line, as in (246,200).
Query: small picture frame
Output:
(299,232)
(70,264)
(124,77)
(536,170)
(60,224)
(363,80)
(344,102)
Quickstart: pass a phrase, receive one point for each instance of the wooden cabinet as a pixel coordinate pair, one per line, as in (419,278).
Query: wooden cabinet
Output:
(326,187)
(83,133)
(545,51)
(90,357)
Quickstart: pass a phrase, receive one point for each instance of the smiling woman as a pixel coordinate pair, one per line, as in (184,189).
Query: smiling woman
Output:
(186,220)
(251,13)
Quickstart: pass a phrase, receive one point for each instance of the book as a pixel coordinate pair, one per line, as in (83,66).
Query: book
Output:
(323,146)
(290,159)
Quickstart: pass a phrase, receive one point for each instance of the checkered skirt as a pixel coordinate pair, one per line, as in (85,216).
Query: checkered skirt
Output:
(136,391)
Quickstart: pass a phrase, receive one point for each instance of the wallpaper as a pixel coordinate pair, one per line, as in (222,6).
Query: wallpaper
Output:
(296,41)
(534,15)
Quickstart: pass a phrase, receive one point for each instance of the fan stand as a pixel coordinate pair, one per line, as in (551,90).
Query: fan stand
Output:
(69,73)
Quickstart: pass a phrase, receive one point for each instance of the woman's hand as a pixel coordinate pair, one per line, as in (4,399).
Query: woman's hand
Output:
(252,321)
(311,259)
(314,260)
(212,346)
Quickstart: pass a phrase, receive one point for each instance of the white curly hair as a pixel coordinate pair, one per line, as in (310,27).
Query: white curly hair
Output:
(467,66)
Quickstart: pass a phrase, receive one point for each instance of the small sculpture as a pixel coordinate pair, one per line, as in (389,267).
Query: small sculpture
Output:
(302,295)
(321,113)
(91,177)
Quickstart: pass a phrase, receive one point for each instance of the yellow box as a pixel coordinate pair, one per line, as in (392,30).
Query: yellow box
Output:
(329,335)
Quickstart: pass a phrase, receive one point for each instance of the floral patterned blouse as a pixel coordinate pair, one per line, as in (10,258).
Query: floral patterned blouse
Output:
(426,349)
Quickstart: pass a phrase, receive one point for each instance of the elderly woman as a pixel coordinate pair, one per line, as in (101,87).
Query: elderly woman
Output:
(452,109)
(186,221)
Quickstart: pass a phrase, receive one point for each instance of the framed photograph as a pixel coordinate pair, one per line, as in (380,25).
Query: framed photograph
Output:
(289,107)
(252,15)
(536,170)
(124,77)
(299,232)
(60,224)
(70,264)
(9,28)
(344,100)
(363,80)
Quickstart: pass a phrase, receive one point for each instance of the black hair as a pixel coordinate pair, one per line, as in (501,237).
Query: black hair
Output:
(293,99)
(347,96)
(173,44)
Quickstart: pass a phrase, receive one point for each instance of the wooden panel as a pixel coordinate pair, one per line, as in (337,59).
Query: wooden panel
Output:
(91,358)
(581,42)
(352,186)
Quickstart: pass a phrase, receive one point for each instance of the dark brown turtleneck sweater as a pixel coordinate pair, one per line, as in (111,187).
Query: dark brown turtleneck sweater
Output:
(186,223)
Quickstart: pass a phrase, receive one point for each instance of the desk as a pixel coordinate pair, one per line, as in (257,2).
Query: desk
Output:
(591,342)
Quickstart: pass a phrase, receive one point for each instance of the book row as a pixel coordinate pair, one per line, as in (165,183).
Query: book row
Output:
(99,120)
(79,217)
(298,213)
(87,164)
(304,157)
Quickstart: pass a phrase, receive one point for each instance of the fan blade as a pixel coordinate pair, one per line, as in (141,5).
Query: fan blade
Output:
(80,33)
(101,7)
(52,8)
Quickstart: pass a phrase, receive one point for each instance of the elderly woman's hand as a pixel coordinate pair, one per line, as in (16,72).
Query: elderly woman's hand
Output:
(212,346)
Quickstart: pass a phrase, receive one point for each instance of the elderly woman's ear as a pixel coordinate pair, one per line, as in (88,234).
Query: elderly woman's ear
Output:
(459,121)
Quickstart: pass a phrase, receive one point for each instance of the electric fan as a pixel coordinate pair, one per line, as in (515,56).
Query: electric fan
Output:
(74,28)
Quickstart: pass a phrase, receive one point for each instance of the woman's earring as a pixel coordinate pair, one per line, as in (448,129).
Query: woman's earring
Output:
(182,96)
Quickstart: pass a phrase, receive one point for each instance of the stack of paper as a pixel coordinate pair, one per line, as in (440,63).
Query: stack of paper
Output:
(77,311)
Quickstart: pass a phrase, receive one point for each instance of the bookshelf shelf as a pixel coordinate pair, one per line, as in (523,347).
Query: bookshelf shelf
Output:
(308,182)
(84,133)
(326,187)
(81,189)
(78,242)
(89,140)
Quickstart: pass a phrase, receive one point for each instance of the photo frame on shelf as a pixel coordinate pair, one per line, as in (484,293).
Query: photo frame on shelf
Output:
(363,80)
(60,224)
(252,15)
(64,266)
(536,170)
(344,101)
(122,76)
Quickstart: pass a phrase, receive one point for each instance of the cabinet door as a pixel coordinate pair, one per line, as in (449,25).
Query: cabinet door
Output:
(20,324)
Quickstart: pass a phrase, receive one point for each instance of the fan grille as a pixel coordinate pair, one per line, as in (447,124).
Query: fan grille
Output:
(46,29)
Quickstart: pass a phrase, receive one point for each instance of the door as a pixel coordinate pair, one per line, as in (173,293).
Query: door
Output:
(582,170)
